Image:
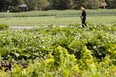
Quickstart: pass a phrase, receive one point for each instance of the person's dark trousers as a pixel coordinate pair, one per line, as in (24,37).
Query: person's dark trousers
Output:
(83,23)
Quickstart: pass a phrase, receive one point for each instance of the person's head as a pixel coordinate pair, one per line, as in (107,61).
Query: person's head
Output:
(82,8)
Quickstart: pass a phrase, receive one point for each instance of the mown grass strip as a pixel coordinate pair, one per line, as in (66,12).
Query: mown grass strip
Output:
(59,13)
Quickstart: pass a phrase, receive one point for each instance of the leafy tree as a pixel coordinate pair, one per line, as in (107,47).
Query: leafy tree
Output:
(37,4)
(13,2)
(42,4)
(58,4)
(92,3)
(111,3)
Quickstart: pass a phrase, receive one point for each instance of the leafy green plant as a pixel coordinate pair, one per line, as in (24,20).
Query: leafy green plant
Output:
(3,26)
(59,51)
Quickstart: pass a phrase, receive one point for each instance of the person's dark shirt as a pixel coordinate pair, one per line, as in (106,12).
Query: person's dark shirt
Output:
(83,15)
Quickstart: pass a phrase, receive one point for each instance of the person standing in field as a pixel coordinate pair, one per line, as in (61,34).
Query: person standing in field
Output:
(83,17)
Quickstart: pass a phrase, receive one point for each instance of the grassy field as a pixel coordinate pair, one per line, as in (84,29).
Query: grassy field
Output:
(51,20)
(59,13)
(54,17)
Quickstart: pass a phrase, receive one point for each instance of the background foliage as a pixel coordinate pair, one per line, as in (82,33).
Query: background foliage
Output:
(62,4)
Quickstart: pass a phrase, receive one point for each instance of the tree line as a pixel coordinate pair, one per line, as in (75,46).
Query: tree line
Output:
(62,4)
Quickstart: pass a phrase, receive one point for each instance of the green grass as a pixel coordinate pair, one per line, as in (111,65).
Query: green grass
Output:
(57,17)
(52,20)
(59,13)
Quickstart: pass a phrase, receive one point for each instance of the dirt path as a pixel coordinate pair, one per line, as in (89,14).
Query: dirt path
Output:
(22,27)
(29,27)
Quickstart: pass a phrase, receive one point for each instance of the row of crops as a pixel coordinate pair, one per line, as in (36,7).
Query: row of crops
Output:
(53,51)
(56,13)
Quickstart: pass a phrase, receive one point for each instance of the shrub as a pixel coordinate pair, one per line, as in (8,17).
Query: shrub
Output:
(15,9)
(3,26)
(59,52)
